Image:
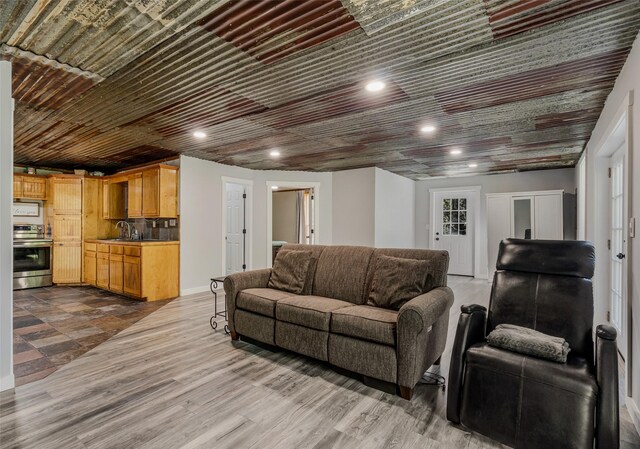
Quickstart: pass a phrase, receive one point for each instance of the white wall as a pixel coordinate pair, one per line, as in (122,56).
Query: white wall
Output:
(201,216)
(628,81)
(6,231)
(285,216)
(394,210)
(513,182)
(354,207)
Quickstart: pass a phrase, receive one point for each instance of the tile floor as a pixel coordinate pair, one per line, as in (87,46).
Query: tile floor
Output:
(54,325)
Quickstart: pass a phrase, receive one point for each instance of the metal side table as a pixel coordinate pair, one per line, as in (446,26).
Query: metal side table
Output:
(217,314)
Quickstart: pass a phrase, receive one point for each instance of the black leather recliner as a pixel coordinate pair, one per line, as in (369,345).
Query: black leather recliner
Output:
(527,402)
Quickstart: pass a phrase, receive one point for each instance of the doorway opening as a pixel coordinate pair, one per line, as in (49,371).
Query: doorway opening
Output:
(236,210)
(453,227)
(292,213)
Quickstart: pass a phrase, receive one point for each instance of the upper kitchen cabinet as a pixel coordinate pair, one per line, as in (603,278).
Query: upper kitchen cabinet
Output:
(31,187)
(135,195)
(113,198)
(160,192)
(66,194)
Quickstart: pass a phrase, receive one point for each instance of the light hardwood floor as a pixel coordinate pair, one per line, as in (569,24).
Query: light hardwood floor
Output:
(170,381)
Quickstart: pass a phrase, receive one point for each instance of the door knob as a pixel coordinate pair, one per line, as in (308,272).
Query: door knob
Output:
(437,238)
(620,256)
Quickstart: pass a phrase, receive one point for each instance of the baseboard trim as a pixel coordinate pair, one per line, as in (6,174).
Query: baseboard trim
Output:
(7,382)
(194,290)
(634,412)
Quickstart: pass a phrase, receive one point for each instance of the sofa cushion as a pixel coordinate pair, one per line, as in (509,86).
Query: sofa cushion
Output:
(342,273)
(261,300)
(396,281)
(366,322)
(309,311)
(289,271)
(316,250)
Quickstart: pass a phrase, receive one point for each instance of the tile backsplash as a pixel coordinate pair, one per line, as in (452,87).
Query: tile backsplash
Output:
(163,229)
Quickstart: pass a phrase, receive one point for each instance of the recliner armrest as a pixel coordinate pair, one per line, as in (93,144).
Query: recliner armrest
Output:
(471,330)
(608,411)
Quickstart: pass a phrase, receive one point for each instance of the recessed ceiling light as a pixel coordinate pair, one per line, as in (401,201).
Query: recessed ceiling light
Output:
(472,165)
(428,129)
(274,187)
(375,86)
(199,134)
(456,151)
(274,153)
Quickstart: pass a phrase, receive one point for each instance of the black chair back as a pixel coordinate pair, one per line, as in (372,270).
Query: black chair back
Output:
(546,285)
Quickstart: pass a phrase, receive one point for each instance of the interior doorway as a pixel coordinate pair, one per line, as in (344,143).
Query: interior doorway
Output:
(236,209)
(292,215)
(453,227)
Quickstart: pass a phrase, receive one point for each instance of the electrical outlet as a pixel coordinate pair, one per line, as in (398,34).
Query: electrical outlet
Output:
(166,224)
(154,224)
(172,222)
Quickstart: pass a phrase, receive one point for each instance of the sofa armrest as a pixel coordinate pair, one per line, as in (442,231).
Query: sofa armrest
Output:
(608,412)
(422,333)
(237,282)
(471,330)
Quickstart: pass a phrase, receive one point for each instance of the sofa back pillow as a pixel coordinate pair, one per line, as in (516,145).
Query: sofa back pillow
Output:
(397,280)
(289,271)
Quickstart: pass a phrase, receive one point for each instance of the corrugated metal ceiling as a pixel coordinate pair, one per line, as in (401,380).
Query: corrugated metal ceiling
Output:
(516,84)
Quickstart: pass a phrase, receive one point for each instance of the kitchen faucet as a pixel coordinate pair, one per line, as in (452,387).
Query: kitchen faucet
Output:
(128,234)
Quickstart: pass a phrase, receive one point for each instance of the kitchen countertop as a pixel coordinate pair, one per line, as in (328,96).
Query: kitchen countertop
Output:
(134,242)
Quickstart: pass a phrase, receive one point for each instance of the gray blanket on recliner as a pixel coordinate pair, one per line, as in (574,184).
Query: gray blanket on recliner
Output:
(530,342)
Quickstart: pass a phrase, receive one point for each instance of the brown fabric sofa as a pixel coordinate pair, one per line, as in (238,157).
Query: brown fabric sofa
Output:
(331,320)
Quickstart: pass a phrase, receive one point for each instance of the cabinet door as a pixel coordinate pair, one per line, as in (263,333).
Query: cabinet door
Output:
(67,263)
(135,195)
(150,192)
(102,270)
(132,276)
(34,188)
(115,273)
(105,199)
(17,186)
(67,228)
(67,196)
(90,267)
(548,217)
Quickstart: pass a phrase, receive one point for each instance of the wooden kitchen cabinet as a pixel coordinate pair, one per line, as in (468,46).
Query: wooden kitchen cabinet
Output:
(67,228)
(66,194)
(160,192)
(135,195)
(132,284)
(115,273)
(17,186)
(113,198)
(90,267)
(67,263)
(102,270)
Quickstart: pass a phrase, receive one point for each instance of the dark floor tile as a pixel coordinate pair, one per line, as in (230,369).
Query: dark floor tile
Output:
(19,345)
(26,356)
(32,366)
(32,329)
(39,335)
(65,357)
(110,323)
(32,377)
(93,340)
(26,321)
(57,348)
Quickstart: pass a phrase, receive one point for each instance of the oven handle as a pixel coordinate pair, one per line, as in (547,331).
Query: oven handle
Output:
(32,244)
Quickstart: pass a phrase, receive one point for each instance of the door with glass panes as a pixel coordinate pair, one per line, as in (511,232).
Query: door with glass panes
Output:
(453,229)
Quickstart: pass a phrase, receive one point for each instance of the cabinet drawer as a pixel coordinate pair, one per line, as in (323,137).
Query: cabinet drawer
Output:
(103,256)
(103,248)
(116,249)
(90,247)
(134,251)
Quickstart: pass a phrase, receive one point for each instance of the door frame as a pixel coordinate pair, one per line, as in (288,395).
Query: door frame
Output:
(475,198)
(618,128)
(248,218)
(316,211)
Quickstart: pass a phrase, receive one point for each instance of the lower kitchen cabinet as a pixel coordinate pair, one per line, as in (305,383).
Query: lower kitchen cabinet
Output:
(147,271)
(67,263)
(90,267)
(102,270)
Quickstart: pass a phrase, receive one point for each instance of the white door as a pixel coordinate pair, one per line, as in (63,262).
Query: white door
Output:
(235,225)
(617,287)
(453,229)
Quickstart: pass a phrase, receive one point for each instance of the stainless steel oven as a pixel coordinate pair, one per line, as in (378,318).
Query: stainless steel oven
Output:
(31,257)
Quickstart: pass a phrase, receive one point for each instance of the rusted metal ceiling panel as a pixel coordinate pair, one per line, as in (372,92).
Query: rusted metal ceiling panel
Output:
(270,30)
(518,85)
